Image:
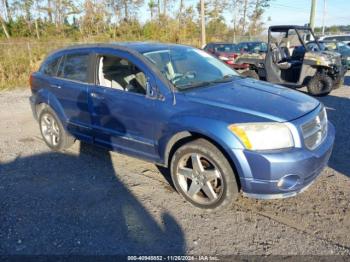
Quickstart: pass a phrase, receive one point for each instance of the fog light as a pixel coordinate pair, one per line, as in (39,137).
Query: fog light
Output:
(288,182)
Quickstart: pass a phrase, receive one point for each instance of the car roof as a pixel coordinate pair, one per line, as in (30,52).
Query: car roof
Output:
(138,47)
(277,28)
(251,42)
(334,35)
(221,43)
(324,41)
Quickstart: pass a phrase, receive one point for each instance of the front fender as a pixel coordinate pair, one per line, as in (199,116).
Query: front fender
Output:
(183,127)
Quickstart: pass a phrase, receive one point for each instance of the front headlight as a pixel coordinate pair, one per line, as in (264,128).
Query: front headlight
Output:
(263,136)
(223,58)
(348,58)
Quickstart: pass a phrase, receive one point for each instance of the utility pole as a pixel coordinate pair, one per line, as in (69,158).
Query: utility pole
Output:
(324,16)
(203,23)
(312,14)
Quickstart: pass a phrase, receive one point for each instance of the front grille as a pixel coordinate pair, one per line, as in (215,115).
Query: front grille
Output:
(315,130)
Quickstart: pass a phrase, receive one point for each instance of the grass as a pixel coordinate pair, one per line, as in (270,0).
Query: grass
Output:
(19,59)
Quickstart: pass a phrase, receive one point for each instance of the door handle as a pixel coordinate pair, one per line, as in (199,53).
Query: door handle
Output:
(96,95)
(56,86)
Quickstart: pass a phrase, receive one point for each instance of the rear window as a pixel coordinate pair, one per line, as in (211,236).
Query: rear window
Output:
(50,66)
(338,38)
(226,48)
(75,67)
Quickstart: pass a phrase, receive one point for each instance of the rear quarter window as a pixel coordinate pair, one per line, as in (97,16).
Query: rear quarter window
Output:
(50,66)
(75,67)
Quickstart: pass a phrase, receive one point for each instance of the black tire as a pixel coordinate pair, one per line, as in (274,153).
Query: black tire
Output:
(251,74)
(212,159)
(64,140)
(320,85)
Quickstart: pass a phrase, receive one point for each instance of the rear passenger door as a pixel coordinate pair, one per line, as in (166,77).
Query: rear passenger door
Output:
(123,115)
(71,89)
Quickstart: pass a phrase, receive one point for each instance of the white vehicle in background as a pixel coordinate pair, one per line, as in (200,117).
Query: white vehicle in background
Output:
(338,38)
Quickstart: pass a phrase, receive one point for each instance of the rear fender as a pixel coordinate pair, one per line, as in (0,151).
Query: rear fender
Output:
(43,96)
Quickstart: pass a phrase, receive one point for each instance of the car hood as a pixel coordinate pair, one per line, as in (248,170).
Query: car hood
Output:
(257,98)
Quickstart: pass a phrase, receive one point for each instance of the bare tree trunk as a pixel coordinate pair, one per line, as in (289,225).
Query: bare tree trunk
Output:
(4,28)
(36,28)
(245,10)
(7,10)
(158,7)
(164,7)
(49,10)
(181,9)
(203,23)
(126,14)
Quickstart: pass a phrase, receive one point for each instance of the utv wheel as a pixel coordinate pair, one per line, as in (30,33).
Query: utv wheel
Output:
(251,74)
(53,132)
(203,176)
(319,85)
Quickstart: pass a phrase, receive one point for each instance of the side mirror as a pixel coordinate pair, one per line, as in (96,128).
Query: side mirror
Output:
(152,91)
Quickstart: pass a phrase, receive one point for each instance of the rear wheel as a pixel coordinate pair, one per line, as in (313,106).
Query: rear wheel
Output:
(320,84)
(203,176)
(53,132)
(251,74)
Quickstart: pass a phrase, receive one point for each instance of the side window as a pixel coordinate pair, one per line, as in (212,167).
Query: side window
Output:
(121,74)
(50,67)
(75,67)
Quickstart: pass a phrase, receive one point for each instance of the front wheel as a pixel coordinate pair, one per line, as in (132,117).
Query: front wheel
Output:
(320,85)
(203,176)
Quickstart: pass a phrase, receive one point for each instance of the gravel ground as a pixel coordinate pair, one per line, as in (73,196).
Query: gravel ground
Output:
(90,201)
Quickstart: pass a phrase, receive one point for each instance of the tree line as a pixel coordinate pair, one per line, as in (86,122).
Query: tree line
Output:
(163,20)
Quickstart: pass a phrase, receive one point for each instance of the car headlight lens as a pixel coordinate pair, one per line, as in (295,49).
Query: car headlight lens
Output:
(348,58)
(223,58)
(263,136)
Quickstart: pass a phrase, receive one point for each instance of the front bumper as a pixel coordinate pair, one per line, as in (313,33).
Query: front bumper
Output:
(262,171)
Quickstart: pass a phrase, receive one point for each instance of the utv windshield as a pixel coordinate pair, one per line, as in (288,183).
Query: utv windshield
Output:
(189,67)
(291,38)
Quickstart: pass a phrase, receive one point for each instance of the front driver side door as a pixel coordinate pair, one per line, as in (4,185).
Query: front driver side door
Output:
(122,113)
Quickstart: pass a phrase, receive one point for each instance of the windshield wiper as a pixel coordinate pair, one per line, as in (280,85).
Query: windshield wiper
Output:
(194,85)
(225,79)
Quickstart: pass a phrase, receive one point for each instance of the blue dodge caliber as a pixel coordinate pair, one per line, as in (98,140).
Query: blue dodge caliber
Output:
(177,106)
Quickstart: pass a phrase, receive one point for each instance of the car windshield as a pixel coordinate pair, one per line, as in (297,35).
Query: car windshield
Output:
(252,47)
(187,67)
(226,48)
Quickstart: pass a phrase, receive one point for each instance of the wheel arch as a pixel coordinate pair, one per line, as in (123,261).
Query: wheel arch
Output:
(43,99)
(181,138)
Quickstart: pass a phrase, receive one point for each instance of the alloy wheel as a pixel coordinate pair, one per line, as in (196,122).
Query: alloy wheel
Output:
(200,179)
(50,129)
